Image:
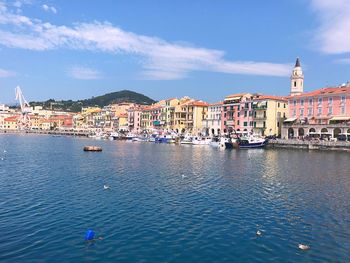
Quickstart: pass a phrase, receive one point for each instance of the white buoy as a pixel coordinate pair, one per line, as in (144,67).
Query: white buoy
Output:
(259,233)
(303,247)
(5,151)
(106,187)
(183,176)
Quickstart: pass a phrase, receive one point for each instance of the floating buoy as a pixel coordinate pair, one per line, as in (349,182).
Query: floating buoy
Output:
(106,187)
(303,247)
(89,235)
(259,233)
(92,149)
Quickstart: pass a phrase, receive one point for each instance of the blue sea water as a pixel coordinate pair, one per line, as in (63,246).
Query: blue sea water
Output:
(170,203)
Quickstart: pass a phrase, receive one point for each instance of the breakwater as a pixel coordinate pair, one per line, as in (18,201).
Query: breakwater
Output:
(310,145)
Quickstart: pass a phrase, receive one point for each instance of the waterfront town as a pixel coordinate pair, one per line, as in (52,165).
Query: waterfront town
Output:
(322,114)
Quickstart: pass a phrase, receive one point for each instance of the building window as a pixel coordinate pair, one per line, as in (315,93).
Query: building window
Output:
(264,124)
(301,112)
(342,99)
(278,124)
(294,113)
(330,100)
(343,110)
(309,111)
(238,114)
(319,111)
(295,83)
(294,103)
(310,102)
(319,101)
(278,104)
(238,122)
(245,124)
(330,110)
(254,124)
(284,105)
(302,102)
(245,113)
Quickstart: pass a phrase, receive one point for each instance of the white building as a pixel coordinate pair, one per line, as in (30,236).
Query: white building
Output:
(212,122)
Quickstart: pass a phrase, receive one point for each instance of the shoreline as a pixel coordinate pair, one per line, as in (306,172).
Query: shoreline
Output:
(343,146)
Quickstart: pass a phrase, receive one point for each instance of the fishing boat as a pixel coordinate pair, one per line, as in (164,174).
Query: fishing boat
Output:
(246,142)
(252,142)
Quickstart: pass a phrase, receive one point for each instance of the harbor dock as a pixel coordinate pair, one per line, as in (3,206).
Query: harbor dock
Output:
(310,145)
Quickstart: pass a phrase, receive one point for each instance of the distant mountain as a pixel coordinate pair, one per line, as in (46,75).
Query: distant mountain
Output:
(100,101)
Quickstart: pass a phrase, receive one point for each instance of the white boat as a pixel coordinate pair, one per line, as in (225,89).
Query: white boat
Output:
(130,136)
(114,136)
(201,141)
(187,140)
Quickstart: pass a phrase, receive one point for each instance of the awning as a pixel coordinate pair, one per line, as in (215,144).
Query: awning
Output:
(290,120)
(340,118)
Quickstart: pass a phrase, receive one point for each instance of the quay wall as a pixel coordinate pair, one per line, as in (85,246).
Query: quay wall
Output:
(310,145)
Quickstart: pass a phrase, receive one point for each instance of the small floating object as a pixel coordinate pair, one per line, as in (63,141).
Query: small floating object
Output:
(259,233)
(90,235)
(5,151)
(183,176)
(92,149)
(106,187)
(303,247)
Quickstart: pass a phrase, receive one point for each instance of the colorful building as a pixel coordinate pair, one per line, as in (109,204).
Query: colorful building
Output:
(320,113)
(231,118)
(269,112)
(212,122)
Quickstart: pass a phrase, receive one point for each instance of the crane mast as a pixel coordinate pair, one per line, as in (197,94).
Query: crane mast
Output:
(25,108)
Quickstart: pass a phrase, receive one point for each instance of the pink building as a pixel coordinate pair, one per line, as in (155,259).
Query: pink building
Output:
(323,113)
(237,113)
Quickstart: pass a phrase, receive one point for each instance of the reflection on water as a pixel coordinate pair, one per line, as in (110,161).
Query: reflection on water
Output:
(170,203)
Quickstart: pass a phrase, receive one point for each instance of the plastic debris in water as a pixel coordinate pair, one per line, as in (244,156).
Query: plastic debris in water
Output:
(90,235)
(303,247)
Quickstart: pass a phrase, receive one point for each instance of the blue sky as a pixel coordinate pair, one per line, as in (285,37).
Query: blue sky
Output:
(203,49)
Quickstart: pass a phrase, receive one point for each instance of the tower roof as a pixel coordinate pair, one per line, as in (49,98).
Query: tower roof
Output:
(297,63)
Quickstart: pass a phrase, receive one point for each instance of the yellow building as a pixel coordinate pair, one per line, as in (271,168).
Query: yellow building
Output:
(11,123)
(269,112)
(189,115)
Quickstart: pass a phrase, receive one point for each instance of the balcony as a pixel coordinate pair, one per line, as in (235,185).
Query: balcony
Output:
(260,117)
(230,122)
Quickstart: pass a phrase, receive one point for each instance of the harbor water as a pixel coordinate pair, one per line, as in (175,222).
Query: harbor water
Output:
(170,203)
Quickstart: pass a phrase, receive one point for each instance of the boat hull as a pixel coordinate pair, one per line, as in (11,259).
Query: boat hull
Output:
(253,145)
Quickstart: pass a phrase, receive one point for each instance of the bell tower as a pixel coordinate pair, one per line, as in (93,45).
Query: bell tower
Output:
(297,80)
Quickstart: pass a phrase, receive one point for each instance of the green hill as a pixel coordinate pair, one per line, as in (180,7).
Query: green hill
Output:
(100,101)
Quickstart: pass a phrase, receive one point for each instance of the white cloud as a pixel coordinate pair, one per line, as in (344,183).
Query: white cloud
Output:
(49,8)
(84,73)
(333,36)
(160,59)
(6,73)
